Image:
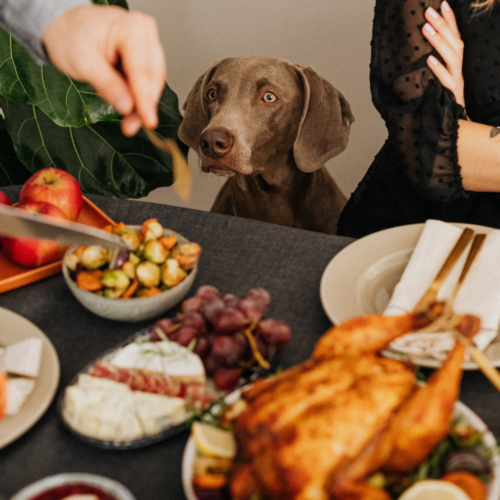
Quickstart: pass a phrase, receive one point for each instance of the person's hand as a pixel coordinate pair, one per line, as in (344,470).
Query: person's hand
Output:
(118,52)
(443,34)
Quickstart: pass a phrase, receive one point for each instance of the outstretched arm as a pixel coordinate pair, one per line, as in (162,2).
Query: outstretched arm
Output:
(478,145)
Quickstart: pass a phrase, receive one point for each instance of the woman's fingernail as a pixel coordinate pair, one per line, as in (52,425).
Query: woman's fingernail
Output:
(429,29)
(446,6)
(433,13)
(433,60)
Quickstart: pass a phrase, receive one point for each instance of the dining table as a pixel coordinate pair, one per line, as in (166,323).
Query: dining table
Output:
(238,254)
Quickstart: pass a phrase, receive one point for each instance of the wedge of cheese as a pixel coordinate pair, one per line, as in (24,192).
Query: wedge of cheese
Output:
(157,412)
(18,390)
(168,358)
(24,357)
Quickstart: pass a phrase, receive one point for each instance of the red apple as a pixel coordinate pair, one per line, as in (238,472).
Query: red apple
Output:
(32,252)
(4,199)
(54,186)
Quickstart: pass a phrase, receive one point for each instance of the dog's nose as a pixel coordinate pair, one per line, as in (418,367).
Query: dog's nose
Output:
(216,142)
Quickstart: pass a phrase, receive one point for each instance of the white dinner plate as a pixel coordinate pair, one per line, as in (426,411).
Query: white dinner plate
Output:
(360,280)
(461,410)
(13,329)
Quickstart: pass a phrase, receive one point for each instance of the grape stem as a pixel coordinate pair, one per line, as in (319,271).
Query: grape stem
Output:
(255,350)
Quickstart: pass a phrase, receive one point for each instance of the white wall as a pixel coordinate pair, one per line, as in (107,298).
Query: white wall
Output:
(332,36)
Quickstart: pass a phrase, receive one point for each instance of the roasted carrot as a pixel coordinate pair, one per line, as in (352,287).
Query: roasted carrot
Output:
(109,228)
(144,228)
(131,289)
(169,241)
(468,482)
(210,481)
(89,280)
(3,393)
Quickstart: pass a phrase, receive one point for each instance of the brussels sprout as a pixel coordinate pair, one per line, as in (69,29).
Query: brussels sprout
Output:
(148,274)
(187,254)
(72,260)
(94,257)
(131,239)
(154,231)
(134,259)
(155,252)
(172,274)
(115,279)
(129,269)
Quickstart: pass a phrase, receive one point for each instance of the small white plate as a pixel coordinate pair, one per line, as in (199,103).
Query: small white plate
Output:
(15,328)
(360,279)
(461,410)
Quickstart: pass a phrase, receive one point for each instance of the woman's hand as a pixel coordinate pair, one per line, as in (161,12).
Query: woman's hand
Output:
(443,34)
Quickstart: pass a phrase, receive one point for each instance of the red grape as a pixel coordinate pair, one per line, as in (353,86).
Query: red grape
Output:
(250,309)
(231,300)
(202,347)
(229,320)
(261,297)
(186,334)
(207,292)
(211,364)
(211,307)
(194,319)
(192,304)
(275,332)
(227,350)
(226,379)
(164,325)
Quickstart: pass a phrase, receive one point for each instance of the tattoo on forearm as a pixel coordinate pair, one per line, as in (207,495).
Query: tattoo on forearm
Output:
(494,132)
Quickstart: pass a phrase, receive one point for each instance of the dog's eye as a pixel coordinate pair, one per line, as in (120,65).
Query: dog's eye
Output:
(269,97)
(212,95)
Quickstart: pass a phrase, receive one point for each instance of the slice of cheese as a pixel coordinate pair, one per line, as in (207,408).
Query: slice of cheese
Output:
(168,358)
(157,412)
(18,390)
(24,357)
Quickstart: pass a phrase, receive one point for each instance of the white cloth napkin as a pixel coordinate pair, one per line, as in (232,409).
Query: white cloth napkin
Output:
(479,294)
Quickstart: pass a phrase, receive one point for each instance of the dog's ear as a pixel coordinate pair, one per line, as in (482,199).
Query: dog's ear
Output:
(325,123)
(195,116)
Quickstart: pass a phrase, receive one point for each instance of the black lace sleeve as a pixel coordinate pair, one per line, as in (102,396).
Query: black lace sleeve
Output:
(420,114)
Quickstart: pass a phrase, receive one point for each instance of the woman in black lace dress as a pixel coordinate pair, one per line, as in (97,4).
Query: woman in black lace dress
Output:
(442,157)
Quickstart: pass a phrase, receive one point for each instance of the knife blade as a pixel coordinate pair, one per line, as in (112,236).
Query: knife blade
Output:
(24,224)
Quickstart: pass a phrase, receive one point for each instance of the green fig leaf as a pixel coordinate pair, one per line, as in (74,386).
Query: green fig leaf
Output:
(69,103)
(101,158)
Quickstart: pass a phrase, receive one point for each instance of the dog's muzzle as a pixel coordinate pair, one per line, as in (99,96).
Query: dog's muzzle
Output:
(216,142)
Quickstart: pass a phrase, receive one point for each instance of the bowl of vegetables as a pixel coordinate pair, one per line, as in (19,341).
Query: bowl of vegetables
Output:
(152,276)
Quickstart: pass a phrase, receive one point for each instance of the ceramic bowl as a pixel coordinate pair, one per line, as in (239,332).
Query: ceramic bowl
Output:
(108,487)
(134,309)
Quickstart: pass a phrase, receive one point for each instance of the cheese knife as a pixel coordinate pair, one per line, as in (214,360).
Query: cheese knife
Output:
(21,223)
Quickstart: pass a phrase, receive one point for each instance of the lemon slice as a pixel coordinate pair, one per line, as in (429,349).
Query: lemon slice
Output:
(212,441)
(435,490)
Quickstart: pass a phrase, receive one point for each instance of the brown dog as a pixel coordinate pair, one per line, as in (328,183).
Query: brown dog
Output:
(270,126)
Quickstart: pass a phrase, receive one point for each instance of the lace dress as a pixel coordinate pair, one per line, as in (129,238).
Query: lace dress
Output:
(416,175)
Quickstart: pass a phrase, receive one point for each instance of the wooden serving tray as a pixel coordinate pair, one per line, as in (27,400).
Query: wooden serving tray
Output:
(13,276)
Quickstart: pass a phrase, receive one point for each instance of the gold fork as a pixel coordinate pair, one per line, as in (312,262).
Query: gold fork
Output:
(448,318)
(181,172)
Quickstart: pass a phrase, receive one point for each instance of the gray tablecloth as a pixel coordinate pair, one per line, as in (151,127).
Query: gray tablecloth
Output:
(237,254)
